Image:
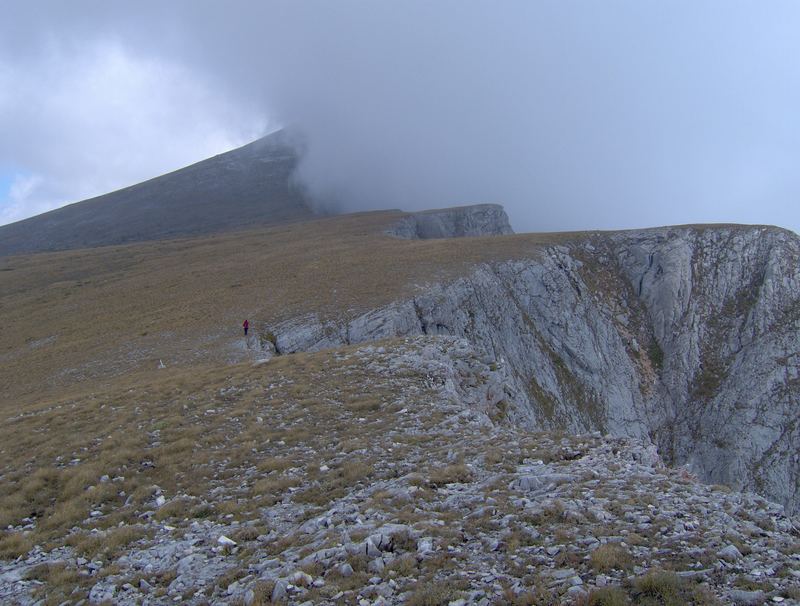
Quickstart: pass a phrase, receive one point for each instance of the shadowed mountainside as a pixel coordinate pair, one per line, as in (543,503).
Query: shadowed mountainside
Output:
(250,185)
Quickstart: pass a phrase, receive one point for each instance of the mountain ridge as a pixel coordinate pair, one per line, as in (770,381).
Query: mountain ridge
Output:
(683,335)
(431,432)
(250,185)
(428,408)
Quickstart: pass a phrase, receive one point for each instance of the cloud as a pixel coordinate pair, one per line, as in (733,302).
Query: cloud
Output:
(94,119)
(574,115)
(21,200)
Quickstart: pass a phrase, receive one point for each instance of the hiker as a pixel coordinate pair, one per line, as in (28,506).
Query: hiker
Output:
(245,325)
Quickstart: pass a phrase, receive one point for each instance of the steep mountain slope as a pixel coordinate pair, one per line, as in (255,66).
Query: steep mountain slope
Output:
(247,186)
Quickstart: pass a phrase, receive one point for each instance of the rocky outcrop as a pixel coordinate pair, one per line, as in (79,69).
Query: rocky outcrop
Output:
(686,336)
(426,496)
(458,222)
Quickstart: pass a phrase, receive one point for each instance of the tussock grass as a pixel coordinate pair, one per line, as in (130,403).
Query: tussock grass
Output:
(14,545)
(663,588)
(536,597)
(449,475)
(659,585)
(249,533)
(179,508)
(607,596)
(433,593)
(271,489)
(186,432)
(611,556)
(335,483)
(108,544)
(405,566)
(364,404)
(274,464)
(60,581)
(262,591)
(354,582)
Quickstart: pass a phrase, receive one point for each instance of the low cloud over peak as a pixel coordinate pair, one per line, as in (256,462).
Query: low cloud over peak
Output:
(581,116)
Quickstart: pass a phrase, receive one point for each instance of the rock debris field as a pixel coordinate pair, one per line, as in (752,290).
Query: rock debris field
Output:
(391,474)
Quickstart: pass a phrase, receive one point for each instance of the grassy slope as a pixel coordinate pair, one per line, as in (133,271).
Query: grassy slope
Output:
(76,317)
(242,447)
(80,397)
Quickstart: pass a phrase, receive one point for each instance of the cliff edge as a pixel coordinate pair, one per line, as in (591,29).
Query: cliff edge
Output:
(456,222)
(684,336)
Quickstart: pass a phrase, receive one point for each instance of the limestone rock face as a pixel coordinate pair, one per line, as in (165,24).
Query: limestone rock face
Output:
(685,336)
(458,222)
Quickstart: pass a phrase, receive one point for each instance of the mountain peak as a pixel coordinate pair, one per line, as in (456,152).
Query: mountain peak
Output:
(246,186)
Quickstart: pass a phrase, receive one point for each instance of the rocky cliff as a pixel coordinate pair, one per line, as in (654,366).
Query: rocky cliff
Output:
(684,336)
(458,222)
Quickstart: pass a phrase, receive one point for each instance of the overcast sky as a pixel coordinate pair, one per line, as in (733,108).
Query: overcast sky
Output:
(573,114)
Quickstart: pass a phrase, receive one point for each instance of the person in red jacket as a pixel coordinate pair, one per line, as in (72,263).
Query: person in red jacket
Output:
(245,325)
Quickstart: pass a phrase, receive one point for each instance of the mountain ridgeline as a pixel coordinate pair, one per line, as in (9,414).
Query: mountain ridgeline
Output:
(248,186)
(421,398)
(459,222)
(685,336)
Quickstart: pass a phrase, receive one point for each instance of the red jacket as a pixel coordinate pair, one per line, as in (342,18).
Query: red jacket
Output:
(245,324)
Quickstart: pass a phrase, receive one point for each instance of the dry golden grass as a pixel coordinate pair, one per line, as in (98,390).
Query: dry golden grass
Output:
(611,556)
(336,483)
(83,316)
(607,596)
(185,431)
(106,545)
(449,475)
(537,597)
(274,464)
(262,592)
(60,581)
(14,545)
(406,565)
(81,398)
(665,588)
(433,593)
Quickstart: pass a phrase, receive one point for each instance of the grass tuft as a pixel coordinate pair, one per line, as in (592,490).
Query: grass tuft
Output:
(14,545)
(451,474)
(432,593)
(611,556)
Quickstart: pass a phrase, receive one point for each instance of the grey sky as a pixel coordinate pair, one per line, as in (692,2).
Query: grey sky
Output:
(574,115)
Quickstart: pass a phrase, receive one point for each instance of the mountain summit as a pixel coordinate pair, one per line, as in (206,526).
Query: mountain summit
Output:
(250,185)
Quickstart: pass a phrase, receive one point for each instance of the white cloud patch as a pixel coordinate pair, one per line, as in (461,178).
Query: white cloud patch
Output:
(21,199)
(88,121)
